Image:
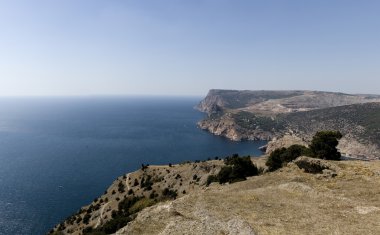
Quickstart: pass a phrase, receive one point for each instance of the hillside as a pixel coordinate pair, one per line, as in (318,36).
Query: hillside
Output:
(289,201)
(270,115)
(151,184)
(341,200)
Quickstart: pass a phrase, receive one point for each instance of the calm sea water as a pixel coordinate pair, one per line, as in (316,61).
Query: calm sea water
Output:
(58,154)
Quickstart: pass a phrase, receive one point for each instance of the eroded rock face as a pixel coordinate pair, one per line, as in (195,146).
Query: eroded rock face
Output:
(352,147)
(211,102)
(226,126)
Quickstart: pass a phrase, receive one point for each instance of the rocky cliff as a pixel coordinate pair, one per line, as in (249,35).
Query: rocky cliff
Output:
(270,115)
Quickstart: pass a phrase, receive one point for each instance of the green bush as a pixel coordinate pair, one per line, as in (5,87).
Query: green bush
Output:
(211,178)
(115,224)
(274,160)
(121,187)
(169,193)
(282,156)
(324,145)
(225,174)
(147,183)
(294,152)
(236,169)
(86,218)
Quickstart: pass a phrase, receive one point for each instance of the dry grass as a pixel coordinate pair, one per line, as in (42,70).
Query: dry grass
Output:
(288,201)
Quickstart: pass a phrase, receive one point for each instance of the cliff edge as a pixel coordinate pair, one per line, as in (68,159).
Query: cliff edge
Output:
(343,199)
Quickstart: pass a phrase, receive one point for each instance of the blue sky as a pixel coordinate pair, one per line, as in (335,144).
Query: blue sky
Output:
(77,47)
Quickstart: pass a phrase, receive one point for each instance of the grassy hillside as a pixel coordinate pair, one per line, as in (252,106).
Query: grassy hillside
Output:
(288,201)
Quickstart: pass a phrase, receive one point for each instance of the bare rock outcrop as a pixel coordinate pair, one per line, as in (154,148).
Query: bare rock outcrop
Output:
(179,217)
(314,165)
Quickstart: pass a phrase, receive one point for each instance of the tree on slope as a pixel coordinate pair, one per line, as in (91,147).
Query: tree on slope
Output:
(324,145)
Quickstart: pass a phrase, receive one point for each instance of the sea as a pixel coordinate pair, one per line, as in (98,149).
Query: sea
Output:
(59,153)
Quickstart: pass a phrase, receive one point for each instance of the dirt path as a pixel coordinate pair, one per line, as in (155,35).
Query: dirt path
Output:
(101,215)
(127,182)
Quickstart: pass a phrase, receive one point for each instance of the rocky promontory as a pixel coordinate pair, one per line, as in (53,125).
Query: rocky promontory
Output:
(271,115)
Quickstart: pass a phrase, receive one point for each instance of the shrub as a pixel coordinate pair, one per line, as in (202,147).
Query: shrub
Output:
(211,178)
(282,156)
(115,224)
(78,220)
(324,144)
(126,204)
(147,183)
(294,152)
(169,193)
(224,174)
(195,177)
(86,218)
(140,205)
(121,187)
(236,169)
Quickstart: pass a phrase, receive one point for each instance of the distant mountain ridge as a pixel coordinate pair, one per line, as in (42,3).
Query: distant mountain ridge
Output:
(270,115)
(272,101)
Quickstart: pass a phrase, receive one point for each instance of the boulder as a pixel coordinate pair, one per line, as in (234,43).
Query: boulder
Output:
(315,166)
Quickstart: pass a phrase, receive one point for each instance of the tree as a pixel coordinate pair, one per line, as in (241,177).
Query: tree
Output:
(224,174)
(274,160)
(324,145)
(237,169)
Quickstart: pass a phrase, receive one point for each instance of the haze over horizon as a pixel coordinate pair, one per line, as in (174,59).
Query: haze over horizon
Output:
(68,48)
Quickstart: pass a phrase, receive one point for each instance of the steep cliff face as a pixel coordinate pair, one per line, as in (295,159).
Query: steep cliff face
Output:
(211,102)
(227,126)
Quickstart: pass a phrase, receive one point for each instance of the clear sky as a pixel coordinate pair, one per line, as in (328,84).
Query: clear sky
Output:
(78,47)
